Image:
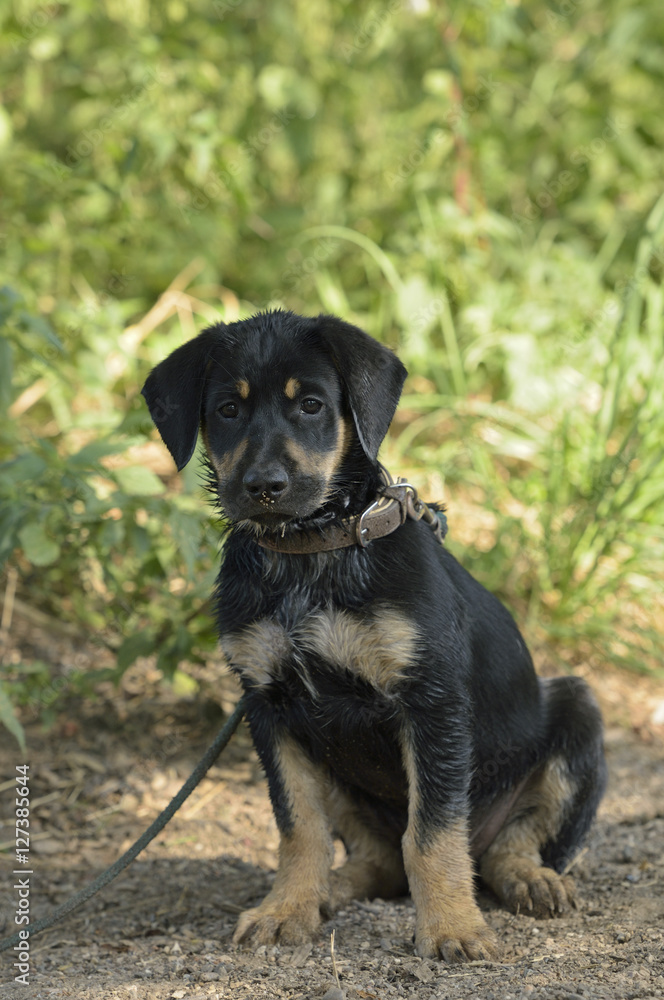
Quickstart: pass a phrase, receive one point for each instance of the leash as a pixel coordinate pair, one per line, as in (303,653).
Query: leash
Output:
(107,876)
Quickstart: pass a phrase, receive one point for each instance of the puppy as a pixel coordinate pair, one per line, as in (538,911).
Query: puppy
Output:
(390,697)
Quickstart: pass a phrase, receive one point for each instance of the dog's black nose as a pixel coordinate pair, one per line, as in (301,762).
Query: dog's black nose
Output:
(266,484)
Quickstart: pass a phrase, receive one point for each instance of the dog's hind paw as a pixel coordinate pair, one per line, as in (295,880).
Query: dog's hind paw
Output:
(273,922)
(470,943)
(538,891)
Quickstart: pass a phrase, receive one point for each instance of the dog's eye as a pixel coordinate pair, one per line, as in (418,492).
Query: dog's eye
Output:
(310,405)
(228,410)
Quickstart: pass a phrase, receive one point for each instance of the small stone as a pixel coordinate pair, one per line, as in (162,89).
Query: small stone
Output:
(300,955)
(334,993)
(423,972)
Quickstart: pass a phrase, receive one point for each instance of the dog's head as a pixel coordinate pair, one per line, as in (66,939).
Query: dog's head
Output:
(282,402)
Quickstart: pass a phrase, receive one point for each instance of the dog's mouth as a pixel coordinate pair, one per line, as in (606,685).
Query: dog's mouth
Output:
(268,515)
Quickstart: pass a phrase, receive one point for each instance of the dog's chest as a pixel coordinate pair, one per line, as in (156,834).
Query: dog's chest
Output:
(326,649)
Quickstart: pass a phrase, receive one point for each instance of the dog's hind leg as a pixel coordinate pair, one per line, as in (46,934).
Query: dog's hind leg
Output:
(525,863)
(374,866)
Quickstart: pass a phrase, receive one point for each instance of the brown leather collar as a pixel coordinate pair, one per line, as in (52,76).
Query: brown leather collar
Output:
(396,502)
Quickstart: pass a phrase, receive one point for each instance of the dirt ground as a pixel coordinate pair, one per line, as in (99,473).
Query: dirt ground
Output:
(163,928)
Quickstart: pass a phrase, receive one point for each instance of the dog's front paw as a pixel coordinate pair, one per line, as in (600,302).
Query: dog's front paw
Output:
(538,891)
(278,920)
(460,940)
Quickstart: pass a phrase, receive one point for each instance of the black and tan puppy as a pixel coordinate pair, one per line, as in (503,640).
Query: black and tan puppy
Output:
(391,698)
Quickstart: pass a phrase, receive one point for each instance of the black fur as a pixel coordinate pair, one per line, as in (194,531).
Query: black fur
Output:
(468,712)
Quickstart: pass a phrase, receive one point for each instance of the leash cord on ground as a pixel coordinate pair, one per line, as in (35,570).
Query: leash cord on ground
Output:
(107,876)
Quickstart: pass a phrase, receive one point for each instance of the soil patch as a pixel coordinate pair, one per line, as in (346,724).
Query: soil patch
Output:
(163,929)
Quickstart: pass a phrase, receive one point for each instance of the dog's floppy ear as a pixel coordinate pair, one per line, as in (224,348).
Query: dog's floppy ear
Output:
(372,376)
(174,393)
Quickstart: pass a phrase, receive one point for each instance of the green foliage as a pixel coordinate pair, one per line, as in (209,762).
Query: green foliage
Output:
(478,186)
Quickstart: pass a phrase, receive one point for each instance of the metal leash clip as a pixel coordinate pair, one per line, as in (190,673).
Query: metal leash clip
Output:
(415,508)
(403,495)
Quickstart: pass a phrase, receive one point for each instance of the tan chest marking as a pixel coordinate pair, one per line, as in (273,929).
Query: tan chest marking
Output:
(379,647)
(258,651)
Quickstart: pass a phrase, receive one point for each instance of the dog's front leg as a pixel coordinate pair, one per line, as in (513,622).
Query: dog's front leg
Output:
(290,913)
(435,849)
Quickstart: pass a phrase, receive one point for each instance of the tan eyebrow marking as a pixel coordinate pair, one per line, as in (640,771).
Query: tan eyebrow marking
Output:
(292,388)
(242,387)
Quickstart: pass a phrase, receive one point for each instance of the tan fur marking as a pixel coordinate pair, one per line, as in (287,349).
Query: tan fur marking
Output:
(291,910)
(374,866)
(258,650)
(313,463)
(224,465)
(512,865)
(344,438)
(440,877)
(292,388)
(242,387)
(379,648)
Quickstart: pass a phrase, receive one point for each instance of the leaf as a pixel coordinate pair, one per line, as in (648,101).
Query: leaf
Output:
(25,467)
(5,373)
(40,326)
(90,453)
(138,481)
(184,686)
(139,644)
(38,547)
(9,299)
(9,720)
(173,650)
